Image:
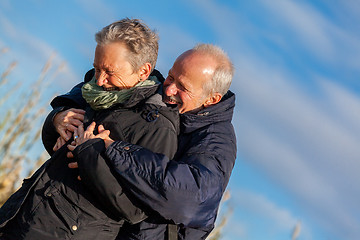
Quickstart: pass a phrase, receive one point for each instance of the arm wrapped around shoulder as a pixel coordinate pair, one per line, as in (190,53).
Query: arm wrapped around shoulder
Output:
(185,192)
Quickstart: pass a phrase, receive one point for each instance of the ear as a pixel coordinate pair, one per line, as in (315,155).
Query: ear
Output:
(214,99)
(145,71)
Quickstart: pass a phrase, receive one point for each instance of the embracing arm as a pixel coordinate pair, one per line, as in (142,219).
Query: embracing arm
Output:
(187,191)
(101,178)
(68,110)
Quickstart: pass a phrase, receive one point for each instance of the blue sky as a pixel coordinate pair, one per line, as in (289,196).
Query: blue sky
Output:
(297,114)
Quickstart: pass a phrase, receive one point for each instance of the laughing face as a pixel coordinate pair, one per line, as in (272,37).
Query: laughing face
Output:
(184,84)
(112,69)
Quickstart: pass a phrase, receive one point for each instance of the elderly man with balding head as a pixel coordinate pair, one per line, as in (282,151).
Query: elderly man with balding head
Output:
(182,195)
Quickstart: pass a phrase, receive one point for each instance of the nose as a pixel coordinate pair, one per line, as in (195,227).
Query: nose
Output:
(171,89)
(101,79)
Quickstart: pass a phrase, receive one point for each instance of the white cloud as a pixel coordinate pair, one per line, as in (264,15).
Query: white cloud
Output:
(307,143)
(32,53)
(327,39)
(276,220)
(262,206)
(97,9)
(5,4)
(224,22)
(305,22)
(343,104)
(302,142)
(173,42)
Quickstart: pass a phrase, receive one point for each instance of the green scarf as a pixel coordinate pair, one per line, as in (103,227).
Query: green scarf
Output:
(99,99)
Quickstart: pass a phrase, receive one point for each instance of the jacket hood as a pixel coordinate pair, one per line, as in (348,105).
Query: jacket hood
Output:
(220,112)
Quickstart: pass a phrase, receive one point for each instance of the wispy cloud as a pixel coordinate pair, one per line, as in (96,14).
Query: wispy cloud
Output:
(280,220)
(172,45)
(259,204)
(327,39)
(301,142)
(298,139)
(26,48)
(98,10)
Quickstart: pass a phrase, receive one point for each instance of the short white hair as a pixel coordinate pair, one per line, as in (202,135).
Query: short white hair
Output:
(223,74)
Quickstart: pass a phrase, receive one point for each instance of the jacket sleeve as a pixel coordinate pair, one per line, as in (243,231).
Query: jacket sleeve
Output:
(187,191)
(100,179)
(49,134)
(72,99)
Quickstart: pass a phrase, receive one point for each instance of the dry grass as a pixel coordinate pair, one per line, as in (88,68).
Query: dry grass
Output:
(20,126)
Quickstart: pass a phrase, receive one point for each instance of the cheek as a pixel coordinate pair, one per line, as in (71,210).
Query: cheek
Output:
(185,98)
(166,84)
(97,75)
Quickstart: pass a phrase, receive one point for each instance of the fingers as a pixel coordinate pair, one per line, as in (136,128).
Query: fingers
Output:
(71,147)
(76,133)
(80,131)
(59,143)
(63,133)
(73,125)
(90,129)
(78,112)
(73,165)
(56,147)
(69,155)
(101,128)
(69,135)
(68,120)
(103,135)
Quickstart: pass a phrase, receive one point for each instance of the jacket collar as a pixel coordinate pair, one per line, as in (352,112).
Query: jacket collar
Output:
(220,112)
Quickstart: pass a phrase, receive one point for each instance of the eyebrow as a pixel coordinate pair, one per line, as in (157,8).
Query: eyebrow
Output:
(183,86)
(178,82)
(104,68)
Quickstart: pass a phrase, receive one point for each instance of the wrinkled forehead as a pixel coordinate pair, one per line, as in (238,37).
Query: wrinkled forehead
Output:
(195,65)
(197,61)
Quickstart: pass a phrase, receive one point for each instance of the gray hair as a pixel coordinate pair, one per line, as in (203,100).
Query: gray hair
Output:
(223,74)
(140,40)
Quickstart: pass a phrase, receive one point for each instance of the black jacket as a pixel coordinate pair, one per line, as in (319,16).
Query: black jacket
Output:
(142,120)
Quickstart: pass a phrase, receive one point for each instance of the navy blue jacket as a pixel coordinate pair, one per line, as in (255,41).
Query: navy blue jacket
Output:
(188,189)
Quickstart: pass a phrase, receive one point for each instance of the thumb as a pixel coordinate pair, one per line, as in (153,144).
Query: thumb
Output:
(101,128)
(104,134)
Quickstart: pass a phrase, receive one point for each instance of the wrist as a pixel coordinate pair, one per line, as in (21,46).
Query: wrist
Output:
(108,142)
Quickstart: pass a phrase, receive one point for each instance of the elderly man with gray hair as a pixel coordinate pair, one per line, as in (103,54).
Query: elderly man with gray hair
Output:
(181,195)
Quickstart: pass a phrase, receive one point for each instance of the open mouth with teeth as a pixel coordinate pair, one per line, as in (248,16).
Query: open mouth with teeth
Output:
(111,89)
(171,100)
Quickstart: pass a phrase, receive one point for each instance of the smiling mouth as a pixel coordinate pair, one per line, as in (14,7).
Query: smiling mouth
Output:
(171,100)
(111,89)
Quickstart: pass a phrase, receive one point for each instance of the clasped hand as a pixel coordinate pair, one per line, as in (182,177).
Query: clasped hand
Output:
(81,136)
(65,123)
